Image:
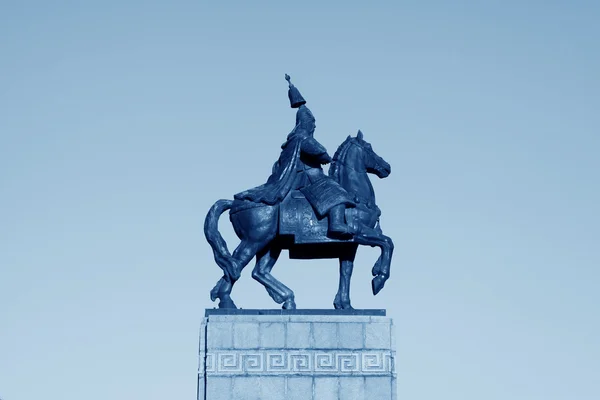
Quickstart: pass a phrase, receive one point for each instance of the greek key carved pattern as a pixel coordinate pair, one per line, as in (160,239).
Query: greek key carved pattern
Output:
(298,362)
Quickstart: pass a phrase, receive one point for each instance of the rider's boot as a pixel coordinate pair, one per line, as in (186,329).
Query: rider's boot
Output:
(337,226)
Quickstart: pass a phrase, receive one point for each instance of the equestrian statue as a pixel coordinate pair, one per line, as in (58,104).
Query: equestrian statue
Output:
(300,208)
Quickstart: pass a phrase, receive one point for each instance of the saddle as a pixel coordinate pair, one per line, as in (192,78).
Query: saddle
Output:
(298,220)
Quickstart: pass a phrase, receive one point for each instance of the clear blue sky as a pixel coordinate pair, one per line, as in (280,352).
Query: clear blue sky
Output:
(123,121)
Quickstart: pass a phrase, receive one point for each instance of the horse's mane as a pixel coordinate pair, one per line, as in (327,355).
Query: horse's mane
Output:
(340,154)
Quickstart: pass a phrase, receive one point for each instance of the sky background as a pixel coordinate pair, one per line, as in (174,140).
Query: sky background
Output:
(122,122)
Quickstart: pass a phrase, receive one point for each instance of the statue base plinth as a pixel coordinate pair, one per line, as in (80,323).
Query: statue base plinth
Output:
(296,355)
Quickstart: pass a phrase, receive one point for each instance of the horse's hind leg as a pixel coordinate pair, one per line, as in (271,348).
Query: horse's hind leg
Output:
(265,261)
(242,255)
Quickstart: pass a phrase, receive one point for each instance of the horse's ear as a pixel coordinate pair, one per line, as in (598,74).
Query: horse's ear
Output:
(349,137)
(359,135)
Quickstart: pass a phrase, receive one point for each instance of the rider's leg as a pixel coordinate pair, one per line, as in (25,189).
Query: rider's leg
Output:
(337,224)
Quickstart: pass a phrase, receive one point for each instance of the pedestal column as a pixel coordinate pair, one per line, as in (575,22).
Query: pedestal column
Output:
(296,355)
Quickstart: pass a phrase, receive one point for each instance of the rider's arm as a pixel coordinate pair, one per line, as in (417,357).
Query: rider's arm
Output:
(315,149)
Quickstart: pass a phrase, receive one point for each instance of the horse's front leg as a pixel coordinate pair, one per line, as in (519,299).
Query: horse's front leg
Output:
(342,298)
(381,270)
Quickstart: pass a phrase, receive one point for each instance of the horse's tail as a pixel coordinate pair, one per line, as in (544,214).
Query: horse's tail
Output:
(216,241)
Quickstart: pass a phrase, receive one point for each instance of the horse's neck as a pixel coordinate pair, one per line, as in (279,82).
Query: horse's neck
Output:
(356,183)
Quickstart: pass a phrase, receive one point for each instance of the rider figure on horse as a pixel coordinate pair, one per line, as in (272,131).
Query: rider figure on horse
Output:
(299,168)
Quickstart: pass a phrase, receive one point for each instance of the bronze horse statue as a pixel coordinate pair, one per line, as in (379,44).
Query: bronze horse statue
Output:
(265,230)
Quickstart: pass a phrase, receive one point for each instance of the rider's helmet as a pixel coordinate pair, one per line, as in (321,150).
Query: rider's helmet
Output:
(296,99)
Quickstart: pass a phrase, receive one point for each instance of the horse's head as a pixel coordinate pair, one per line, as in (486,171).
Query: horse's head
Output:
(372,162)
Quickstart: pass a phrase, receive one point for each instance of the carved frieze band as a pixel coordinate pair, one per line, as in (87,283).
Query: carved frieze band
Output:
(298,362)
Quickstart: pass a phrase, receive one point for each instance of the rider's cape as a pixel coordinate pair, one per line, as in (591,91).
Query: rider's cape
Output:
(283,177)
(323,194)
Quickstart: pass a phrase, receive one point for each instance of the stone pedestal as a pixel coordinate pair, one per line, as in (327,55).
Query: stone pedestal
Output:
(296,355)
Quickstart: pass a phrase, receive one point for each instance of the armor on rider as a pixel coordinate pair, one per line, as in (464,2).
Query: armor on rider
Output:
(299,168)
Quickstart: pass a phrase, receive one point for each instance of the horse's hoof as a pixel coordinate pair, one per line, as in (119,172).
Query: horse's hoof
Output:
(377,284)
(214,293)
(289,305)
(342,305)
(337,304)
